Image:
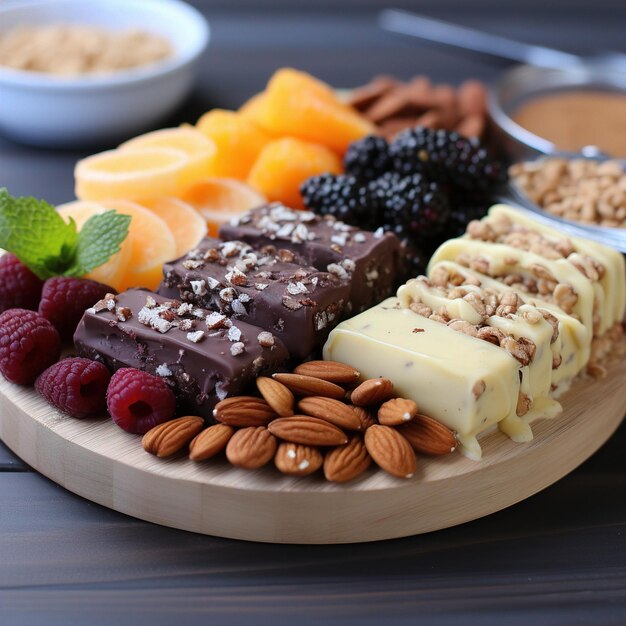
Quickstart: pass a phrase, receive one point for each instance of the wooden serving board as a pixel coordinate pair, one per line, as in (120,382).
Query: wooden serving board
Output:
(98,461)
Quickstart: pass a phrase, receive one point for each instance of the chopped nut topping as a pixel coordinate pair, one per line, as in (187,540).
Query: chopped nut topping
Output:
(265,339)
(237,348)
(123,313)
(196,336)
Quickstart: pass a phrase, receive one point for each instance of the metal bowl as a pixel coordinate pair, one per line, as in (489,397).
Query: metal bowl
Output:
(525,82)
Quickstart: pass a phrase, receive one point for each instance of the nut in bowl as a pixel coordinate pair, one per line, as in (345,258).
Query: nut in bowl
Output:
(50,109)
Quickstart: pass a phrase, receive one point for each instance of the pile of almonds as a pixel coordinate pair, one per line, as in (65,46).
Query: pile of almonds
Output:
(394,105)
(319,416)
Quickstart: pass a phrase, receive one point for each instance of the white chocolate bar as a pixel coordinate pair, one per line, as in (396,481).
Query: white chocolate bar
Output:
(466,383)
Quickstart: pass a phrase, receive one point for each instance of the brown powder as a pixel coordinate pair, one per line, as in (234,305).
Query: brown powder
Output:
(574,119)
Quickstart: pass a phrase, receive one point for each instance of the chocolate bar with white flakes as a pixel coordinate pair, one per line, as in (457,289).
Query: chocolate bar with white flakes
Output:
(203,355)
(371,261)
(266,287)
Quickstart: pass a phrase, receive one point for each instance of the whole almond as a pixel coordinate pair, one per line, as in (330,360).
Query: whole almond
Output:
(310,431)
(251,447)
(210,442)
(365,417)
(397,411)
(331,371)
(346,462)
(372,391)
(332,411)
(296,459)
(276,395)
(170,437)
(310,386)
(243,411)
(390,451)
(428,436)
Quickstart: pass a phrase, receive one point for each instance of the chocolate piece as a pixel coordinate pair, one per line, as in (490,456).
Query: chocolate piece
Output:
(203,359)
(372,262)
(270,289)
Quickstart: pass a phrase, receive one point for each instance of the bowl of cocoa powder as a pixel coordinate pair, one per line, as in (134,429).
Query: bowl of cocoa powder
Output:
(576,111)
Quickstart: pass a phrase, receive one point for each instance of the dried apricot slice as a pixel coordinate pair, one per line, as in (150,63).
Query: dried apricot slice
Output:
(198,147)
(186,224)
(139,173)
(113,271)
(285,164)
(238,142)
(151,244)
(220,199)
(300,106)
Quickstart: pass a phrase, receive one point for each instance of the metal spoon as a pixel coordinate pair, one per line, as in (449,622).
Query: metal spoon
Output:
(477,41)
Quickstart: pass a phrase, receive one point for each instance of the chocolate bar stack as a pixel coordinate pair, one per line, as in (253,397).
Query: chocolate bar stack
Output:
(271,289)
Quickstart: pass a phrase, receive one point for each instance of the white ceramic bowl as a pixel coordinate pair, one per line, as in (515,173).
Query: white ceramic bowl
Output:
(47,110)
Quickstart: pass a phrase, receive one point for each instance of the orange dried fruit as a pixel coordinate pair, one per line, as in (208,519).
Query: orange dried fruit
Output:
(187,225)
(301,106)
(144,172)
(198,147)
(284,164)
(113,271)
(238,142)
(150,242)
(219,199)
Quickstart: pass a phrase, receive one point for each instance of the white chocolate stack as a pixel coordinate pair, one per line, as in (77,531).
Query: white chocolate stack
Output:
(507,317)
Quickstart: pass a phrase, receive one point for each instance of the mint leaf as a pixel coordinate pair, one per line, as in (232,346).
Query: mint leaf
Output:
(99,239)
(34,231)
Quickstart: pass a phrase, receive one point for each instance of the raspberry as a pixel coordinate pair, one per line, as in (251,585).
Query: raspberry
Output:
(137,401)
(75,386)
(19,287)
(28,345)
(64,300)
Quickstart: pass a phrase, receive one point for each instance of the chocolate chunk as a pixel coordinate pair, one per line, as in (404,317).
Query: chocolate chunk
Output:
(265,287)
(323,242)
(202,366)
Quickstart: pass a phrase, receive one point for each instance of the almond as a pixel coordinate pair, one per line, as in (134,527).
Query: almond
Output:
(307,430)
(309,386)
(251,447)
(276,395)
(210,442)
(365,417)
(428,436)
(243,411)
(296,459)
(347,462)
(397,411)
(372,391)
(331,371)
(170,437)
(390,451)
(332,411)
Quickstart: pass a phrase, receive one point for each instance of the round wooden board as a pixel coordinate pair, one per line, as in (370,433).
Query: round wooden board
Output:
(98,461)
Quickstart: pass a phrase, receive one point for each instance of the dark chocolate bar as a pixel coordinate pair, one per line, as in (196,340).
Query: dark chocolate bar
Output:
(273,290)
(203,355)
(372,262)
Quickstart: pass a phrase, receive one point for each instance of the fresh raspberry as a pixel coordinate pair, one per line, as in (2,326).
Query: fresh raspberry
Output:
(28,345)
(137,401)
(75,386)
(64,300)
(19,287)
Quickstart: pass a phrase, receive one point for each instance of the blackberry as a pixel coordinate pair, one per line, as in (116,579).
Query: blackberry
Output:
(344,197)
(367,158)
(412,207)
(445,157)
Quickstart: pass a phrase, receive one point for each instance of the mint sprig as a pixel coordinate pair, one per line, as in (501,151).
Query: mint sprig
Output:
(39,237)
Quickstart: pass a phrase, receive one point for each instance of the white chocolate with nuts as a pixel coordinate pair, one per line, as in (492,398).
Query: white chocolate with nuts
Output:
(571,347)
(466,383)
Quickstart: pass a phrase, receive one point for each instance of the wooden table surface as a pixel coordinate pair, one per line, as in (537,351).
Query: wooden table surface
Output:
(557,558)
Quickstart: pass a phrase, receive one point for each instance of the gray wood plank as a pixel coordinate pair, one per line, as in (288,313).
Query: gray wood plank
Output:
(561,554)
(9,462)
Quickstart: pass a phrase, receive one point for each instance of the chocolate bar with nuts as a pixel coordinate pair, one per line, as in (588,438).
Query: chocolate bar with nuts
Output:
(204,356)
(372,262)
(269,288)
